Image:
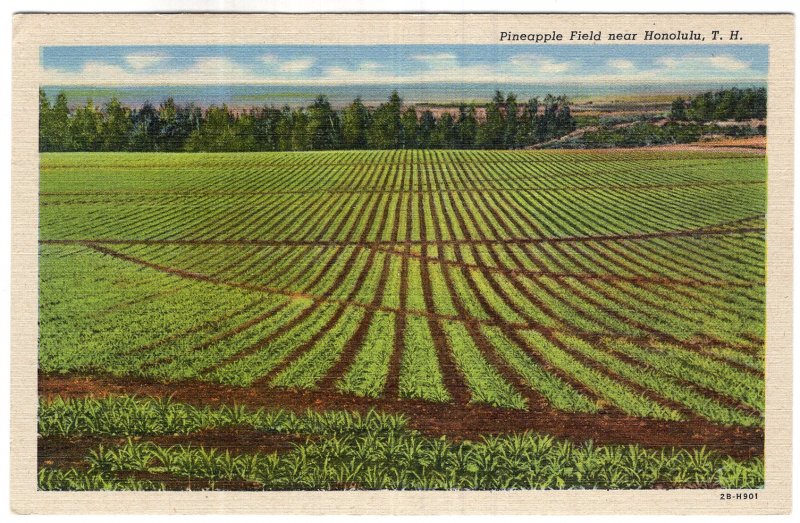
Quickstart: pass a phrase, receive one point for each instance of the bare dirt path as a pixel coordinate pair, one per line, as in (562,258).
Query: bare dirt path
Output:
(456,420)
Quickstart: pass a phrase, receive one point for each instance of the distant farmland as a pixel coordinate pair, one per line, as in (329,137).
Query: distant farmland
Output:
(613,296)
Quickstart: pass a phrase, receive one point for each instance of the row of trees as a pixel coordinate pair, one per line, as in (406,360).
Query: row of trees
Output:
(727,104)
(503,124)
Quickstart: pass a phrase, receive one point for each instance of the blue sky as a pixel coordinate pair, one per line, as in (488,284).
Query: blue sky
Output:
(402,64)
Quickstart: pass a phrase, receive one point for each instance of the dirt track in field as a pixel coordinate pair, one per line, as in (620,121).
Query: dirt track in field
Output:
(341,243)
(455,420)
(135,195)
(72,452)
(237,440)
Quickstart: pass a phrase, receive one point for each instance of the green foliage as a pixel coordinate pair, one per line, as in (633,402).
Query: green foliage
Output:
(301,137)
(558,393)
(420,373)
(318,127)
(217,133)
(355,121)
(372,451)
(54,132)
(245,299)
(140,416)
(85,127)
(492,134)
(116,126)
(386,129)
(729,104)
(467,127)
(367,376)
(313,365)
(50,478)
(323,126)
(411,132)
(622,396)
(678,109)
(485,383)
(643,134)
(578,276)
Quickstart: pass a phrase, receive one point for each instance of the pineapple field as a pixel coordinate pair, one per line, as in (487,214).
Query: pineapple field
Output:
(422,319)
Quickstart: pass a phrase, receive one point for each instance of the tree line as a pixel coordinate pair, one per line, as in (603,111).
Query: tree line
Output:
(504,124)
(727,104)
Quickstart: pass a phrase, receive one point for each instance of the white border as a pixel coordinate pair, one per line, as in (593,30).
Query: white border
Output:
(675,6)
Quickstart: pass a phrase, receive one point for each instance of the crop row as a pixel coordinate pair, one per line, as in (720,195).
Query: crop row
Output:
(295,342)
(314,172)
(517,215)
(217,204)
(591,283)
(348,450)
(627,304)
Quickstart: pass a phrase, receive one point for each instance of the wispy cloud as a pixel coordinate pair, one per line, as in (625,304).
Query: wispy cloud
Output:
(310,65)
(621,64)
(269,59)
(668,62)
(551,66)
(538,64)
(719,62)
(296,66)
(435,57)
(141,61)
(728,63)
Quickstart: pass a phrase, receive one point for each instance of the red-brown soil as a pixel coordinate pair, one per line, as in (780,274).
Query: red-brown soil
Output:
(458,421)
(237,440)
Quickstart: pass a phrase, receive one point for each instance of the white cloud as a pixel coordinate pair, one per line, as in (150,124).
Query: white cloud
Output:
(93,72)
(217,70)
(621,64)
(141,61)
(533,64)
(296,66)
(728,63)
(201,71)
(702,63)
(551,66)
(669,63)
(435,57)
(439,67)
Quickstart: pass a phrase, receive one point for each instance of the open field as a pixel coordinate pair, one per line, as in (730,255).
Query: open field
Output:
(612,296)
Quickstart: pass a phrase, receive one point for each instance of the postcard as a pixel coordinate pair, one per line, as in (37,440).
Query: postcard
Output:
(402,264)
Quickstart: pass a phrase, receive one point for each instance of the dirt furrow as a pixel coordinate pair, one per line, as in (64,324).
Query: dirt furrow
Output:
(392,389)
(646,392)
(459,420)
(638,279)
(298,352)
(505,327)
(631,187)
(454,380)
(336,243)
(354,344)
